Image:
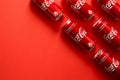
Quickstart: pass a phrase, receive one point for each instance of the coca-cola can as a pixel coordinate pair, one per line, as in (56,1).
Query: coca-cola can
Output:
(50,7)
(111,7)
(78,34)
(108,33)
(110,64)
(81,8)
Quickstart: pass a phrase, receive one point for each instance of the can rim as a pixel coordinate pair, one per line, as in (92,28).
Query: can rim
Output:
(59,16)
(98,53)
(96,22)
(68,21)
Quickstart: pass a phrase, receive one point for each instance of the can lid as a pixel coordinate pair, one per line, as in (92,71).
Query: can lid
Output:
(67,22)
(69,25)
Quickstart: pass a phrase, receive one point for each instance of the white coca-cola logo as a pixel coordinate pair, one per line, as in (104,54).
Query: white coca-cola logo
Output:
(78,5)
(111,34)
(109,5)
(46,4)
(80,34)
(113,66)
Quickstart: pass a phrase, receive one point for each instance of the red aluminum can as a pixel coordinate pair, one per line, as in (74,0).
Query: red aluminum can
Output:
(111,7)
(107,32)
(81,8)
(110,64)
(78,34)
(50,7)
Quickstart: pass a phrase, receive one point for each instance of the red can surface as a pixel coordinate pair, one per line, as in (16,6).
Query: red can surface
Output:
(111,7)
(81,8)
(50,7)
(108,33)
(78,34)
(110,64)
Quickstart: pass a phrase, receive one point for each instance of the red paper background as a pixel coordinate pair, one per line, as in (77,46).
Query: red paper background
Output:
(32,46)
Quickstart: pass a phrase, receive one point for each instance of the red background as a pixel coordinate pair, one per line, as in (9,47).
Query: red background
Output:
(32,47)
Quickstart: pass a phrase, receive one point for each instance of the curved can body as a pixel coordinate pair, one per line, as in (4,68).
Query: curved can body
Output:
(111,7)
(78,34)
(50,7)
(108,33)
(81,8)
(110,64)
